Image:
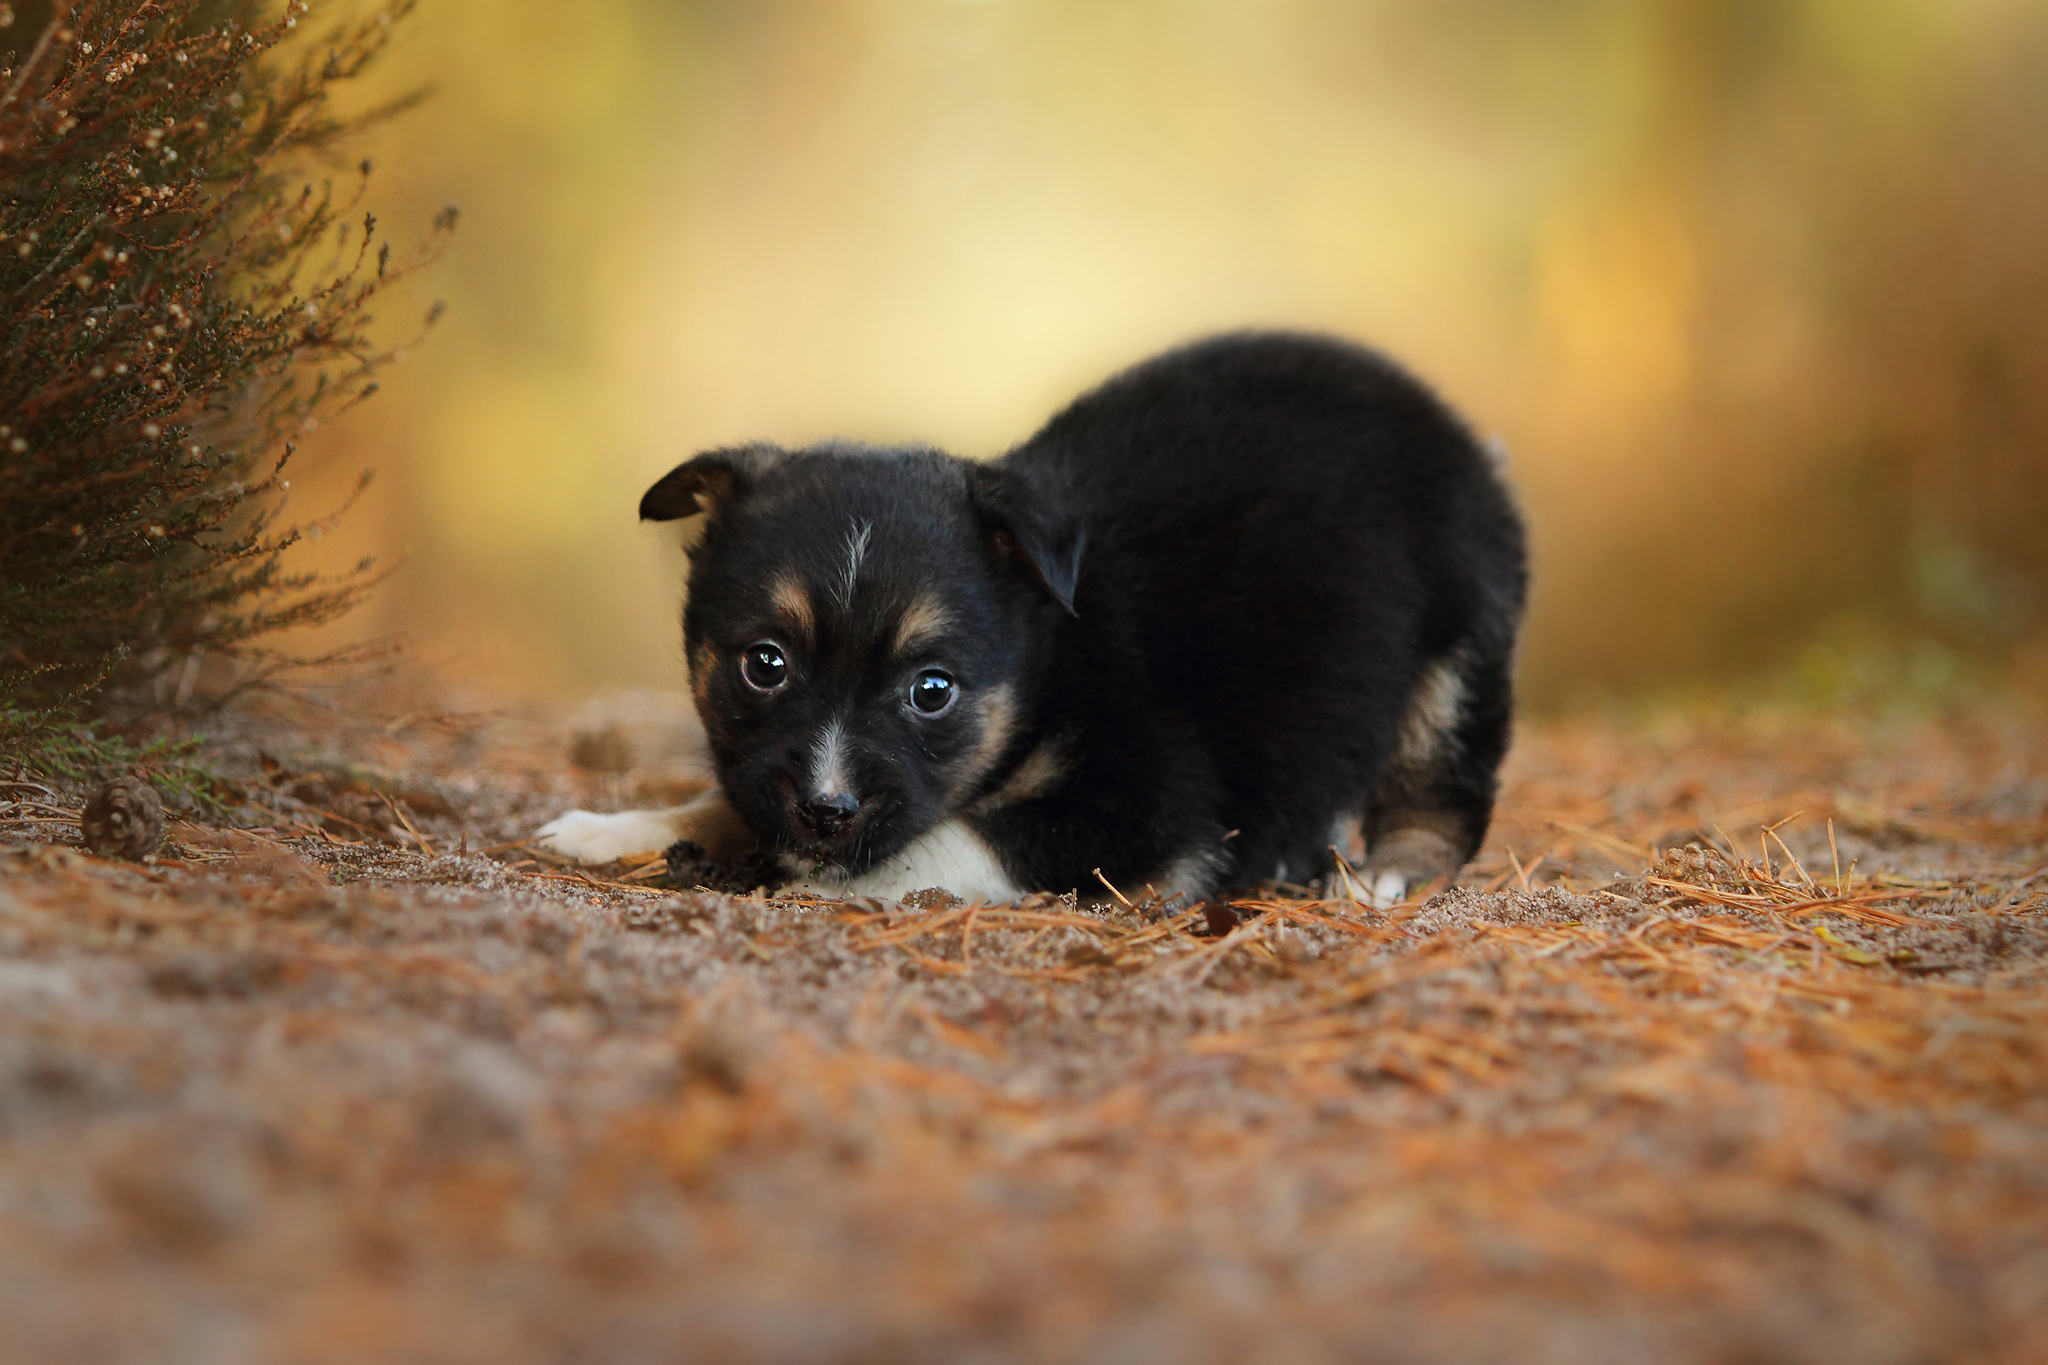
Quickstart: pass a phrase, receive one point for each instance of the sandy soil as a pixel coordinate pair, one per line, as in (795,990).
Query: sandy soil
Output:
(374,1082)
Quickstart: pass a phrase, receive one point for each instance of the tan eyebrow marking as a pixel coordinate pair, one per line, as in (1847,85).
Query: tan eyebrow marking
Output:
(789,599)
(925,620)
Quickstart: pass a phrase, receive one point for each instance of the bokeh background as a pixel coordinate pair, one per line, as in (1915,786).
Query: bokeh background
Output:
(1755,291)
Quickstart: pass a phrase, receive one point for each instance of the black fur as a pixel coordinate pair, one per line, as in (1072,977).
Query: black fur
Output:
(1212,590)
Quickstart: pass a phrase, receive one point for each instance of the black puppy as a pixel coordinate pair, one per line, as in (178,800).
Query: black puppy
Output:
(1250,600)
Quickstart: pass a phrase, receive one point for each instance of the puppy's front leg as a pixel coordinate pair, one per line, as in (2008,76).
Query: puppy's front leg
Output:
(1407,858)
(588,837)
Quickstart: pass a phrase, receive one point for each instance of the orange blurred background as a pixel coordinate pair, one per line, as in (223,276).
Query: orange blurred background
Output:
(1753,290)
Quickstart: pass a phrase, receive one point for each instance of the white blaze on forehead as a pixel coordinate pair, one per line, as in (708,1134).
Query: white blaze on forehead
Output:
(828,763)
(856,551)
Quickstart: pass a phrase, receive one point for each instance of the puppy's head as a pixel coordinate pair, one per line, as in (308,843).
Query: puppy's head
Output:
(861,630)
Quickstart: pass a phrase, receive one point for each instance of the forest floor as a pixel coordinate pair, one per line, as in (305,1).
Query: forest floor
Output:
(1731,1046)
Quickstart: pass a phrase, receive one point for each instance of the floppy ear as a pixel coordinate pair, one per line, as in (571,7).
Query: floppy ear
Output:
(1032,527)
(705,481)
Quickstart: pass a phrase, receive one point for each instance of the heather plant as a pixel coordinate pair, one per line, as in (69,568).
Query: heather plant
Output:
(186,271)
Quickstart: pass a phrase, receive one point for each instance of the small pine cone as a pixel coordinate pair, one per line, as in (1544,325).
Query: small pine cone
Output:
(124,819)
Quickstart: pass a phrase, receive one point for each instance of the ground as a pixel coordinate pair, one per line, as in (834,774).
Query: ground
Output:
(374,1082)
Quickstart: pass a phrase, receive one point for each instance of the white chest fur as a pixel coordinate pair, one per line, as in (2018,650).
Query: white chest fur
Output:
(950,856)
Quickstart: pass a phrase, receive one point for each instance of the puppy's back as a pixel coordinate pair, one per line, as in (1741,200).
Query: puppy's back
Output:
(1290,530)
(1332,437)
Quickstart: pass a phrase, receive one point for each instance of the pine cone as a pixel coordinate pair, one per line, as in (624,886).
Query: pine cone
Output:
(124,819)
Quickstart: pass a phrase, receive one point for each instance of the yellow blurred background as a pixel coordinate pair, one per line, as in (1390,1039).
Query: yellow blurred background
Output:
(1753,290)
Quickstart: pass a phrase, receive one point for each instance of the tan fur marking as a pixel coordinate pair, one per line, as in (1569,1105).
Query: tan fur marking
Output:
(998,716)
(925,620)
(1402,859)
(1432,714)
(793,604)
(703,663)
(1041,769)
(712,822)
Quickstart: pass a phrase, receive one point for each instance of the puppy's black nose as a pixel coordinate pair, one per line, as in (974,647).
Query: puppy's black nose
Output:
(830,815)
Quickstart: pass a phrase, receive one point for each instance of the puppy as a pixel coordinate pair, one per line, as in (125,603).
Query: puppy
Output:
(1248,601)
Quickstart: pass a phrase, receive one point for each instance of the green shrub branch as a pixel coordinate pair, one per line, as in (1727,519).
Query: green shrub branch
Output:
(179,304)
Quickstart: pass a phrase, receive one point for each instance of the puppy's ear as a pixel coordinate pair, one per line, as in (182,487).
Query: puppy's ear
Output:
(706,481)
(1032,527)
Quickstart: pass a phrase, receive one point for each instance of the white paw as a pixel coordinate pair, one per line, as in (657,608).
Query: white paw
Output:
(1406,859)
(1389,889)
(587,837)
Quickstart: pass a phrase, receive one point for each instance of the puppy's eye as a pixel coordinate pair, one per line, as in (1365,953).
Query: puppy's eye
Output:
(932,693)
(763,666)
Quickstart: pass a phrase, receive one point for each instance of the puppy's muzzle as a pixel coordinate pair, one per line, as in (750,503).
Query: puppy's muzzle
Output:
(829,818)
